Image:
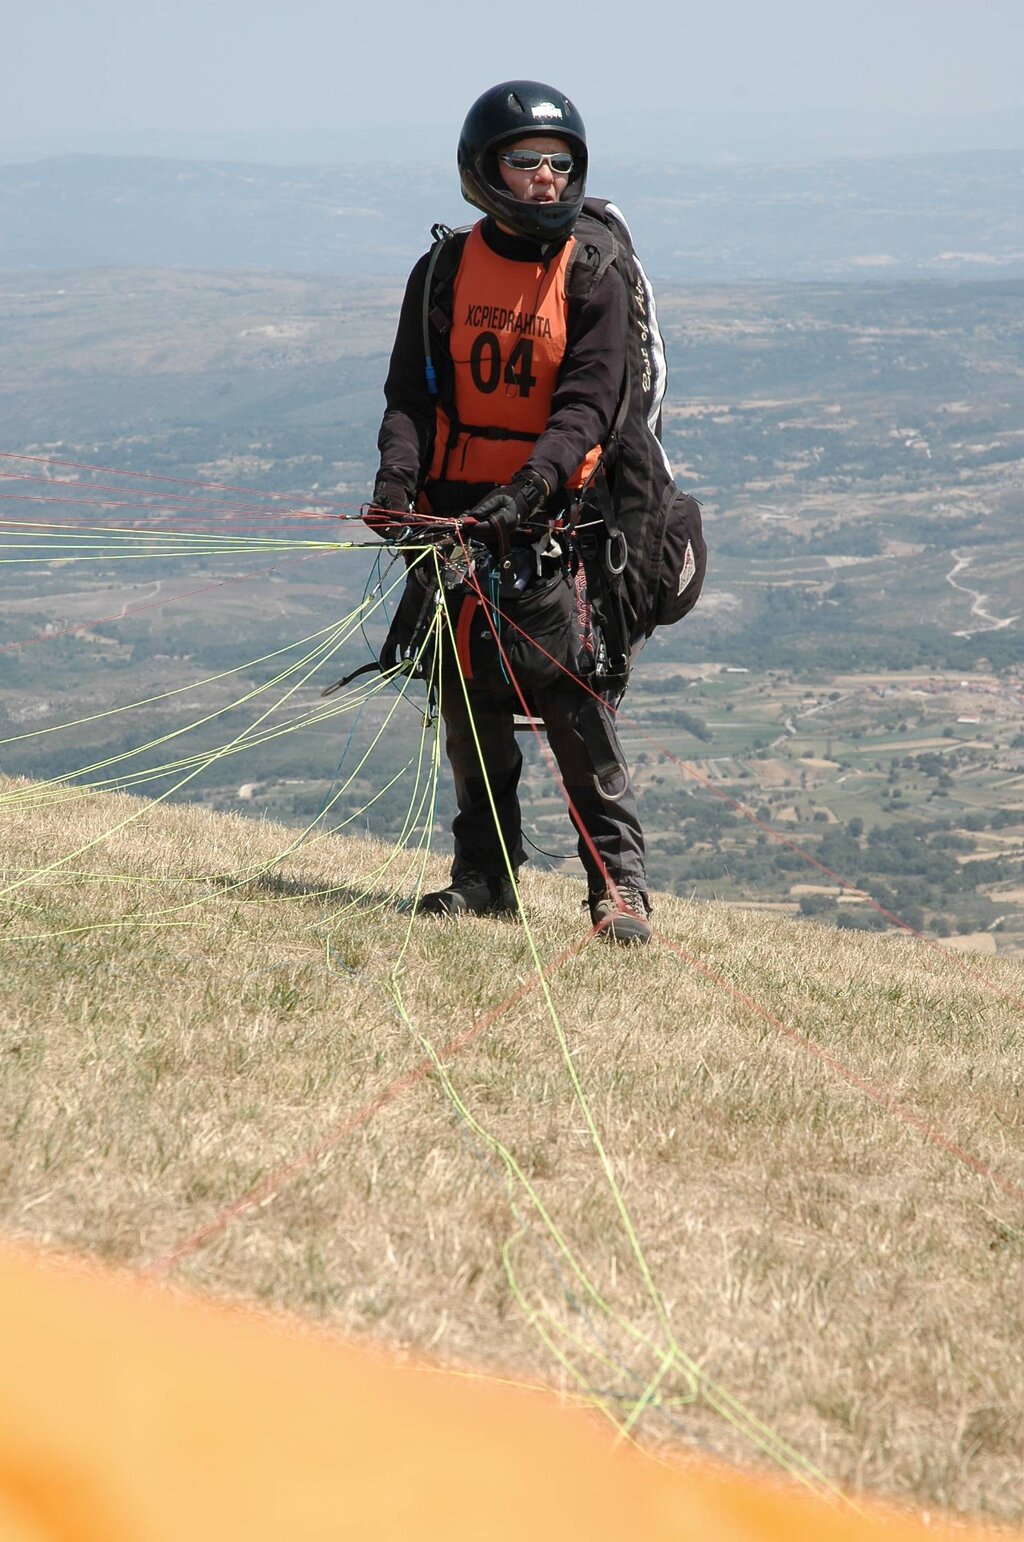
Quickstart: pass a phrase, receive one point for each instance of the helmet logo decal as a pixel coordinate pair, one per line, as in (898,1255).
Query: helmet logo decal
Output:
(506,113)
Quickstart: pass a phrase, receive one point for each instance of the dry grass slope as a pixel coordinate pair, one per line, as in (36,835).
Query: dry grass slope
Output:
(174,1025)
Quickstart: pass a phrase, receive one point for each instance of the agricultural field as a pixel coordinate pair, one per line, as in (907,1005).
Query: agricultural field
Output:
(902,790)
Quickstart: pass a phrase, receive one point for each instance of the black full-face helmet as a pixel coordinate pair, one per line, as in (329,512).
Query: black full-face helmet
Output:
(515,110)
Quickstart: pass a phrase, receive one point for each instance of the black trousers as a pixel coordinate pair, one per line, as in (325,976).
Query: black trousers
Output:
(585,744)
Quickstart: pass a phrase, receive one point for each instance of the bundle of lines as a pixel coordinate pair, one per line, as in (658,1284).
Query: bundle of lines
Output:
(638,1375)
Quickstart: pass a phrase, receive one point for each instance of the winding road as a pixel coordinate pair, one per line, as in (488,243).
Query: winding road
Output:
(993,623)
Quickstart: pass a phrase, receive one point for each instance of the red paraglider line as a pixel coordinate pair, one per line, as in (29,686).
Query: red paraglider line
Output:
(255,514)
(928,1131)
(489,611)
(269,1186)
(283,1174)
(143,476)
(134,610)
(783,840)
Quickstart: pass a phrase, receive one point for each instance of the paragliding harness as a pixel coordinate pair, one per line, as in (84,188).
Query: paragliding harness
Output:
(638,537)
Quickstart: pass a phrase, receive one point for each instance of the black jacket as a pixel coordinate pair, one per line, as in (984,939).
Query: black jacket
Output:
(586,394)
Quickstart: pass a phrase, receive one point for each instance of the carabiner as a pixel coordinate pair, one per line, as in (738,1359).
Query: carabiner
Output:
(609,546)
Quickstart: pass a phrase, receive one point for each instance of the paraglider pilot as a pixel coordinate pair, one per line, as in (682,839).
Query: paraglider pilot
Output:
(499,399)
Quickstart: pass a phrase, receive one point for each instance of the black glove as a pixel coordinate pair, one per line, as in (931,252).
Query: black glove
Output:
(388,494)
(501,511)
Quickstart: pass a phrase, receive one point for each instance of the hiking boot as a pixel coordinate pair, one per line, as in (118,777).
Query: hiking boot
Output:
(622,919)
(473,893)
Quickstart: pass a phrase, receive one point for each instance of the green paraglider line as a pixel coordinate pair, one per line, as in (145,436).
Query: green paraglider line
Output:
(668,1358)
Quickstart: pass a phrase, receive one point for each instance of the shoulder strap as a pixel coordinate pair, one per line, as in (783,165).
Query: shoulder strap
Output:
(592,255)
(438,308)
(445,256)
(599,246)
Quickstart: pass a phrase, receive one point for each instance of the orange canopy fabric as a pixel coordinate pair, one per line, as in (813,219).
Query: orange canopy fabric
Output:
(130,1413)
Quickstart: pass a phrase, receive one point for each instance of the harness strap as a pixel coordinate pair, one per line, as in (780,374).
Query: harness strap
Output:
(609,772)
(595,250)
(374,666)
(438,319)
(399,649)
(609,562)
(463,652)
(442,234)
(488,431)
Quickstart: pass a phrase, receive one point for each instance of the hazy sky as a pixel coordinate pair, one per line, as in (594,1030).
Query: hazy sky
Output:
(101,66)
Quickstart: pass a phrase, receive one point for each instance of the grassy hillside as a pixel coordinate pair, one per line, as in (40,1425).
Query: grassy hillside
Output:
(645,1176)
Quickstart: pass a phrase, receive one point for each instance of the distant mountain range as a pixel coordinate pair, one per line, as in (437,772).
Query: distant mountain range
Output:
(949,215)
(701,137)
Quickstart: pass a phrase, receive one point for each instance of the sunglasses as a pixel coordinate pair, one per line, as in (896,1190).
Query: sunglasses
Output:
(560,162)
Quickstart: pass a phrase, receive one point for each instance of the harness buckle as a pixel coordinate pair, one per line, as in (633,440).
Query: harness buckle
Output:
(616,538)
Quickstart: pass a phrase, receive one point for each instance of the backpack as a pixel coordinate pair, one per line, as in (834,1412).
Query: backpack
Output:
(639,538)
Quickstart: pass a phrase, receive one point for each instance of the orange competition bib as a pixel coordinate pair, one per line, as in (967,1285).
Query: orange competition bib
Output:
(507,343)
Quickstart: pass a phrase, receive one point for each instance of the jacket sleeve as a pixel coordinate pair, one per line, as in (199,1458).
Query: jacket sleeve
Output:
(586,394)
(406,437)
